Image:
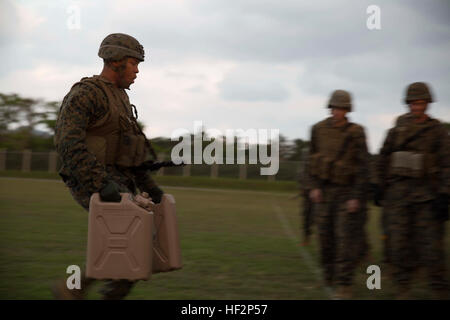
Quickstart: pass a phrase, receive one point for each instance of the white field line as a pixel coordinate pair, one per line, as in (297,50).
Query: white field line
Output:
(281,217)
(303,253)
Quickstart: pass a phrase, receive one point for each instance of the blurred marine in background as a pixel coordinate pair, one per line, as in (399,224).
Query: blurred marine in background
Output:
(306,207)
(413,184)
(337,177)
(101,146)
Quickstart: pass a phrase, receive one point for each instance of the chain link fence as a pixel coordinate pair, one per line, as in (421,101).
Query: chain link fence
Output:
(27,161)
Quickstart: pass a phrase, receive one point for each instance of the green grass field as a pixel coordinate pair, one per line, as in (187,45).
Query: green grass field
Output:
(236,244)
(193,181)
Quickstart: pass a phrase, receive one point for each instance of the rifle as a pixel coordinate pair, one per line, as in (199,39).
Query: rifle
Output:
(156,165)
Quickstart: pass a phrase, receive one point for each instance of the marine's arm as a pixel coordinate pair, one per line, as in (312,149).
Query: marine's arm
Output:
(362,164)
(312,182)
(440,204)
(145,183)
(379,182)
(382,164)
(444,160)
(78,109)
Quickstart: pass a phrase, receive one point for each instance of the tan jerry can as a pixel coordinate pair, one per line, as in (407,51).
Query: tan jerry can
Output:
(119,240)
(166,241)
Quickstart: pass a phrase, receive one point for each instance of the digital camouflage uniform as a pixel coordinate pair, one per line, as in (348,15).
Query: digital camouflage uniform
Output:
(338,167)
(384,221)
(361,240)
(88,107)
(83,174)
(410,187)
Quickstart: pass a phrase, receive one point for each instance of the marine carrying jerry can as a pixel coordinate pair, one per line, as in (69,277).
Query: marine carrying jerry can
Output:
(119,240)
(166,241)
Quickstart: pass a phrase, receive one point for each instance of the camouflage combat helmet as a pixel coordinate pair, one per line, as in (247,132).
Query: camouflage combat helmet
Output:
(340,99)
(117,46)
(418,91)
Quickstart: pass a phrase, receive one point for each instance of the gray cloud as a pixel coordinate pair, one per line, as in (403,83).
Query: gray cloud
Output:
(286,54)
(254,83)
(378,80)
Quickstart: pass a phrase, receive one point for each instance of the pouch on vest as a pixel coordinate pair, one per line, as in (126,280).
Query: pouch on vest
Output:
(97,146)
(127,143)
(407,164)
(140,150)
(127,149)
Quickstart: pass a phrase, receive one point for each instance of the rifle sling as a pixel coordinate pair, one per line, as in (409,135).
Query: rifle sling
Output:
(411,138)
(344,146)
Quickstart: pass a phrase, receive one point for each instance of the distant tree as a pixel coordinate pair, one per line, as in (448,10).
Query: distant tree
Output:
(285,147)
(26,112)
(12,106)
(49,114)
(19,117)
(298,146)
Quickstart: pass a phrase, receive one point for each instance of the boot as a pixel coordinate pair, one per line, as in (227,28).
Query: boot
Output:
(343,293)
(116,289)
(61,292)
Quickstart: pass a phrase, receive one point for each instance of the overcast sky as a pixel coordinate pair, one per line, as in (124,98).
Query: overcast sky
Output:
(237,64)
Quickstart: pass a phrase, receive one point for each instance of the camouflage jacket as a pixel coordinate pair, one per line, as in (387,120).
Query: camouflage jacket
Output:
(355,151)
(430,138)
(81,108)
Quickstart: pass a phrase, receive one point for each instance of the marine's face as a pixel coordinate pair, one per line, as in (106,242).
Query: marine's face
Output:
(338,114)
(418,108)
(127,71)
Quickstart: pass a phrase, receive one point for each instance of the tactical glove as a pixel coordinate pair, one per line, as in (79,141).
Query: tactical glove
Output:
(155,193)
(111,192)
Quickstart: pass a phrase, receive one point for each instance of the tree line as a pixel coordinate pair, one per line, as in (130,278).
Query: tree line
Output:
(27,123)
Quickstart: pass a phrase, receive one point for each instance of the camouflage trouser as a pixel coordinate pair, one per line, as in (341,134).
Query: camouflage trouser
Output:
(386,237)
(306,212)
(417,240)
(361,234)
(339,235)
